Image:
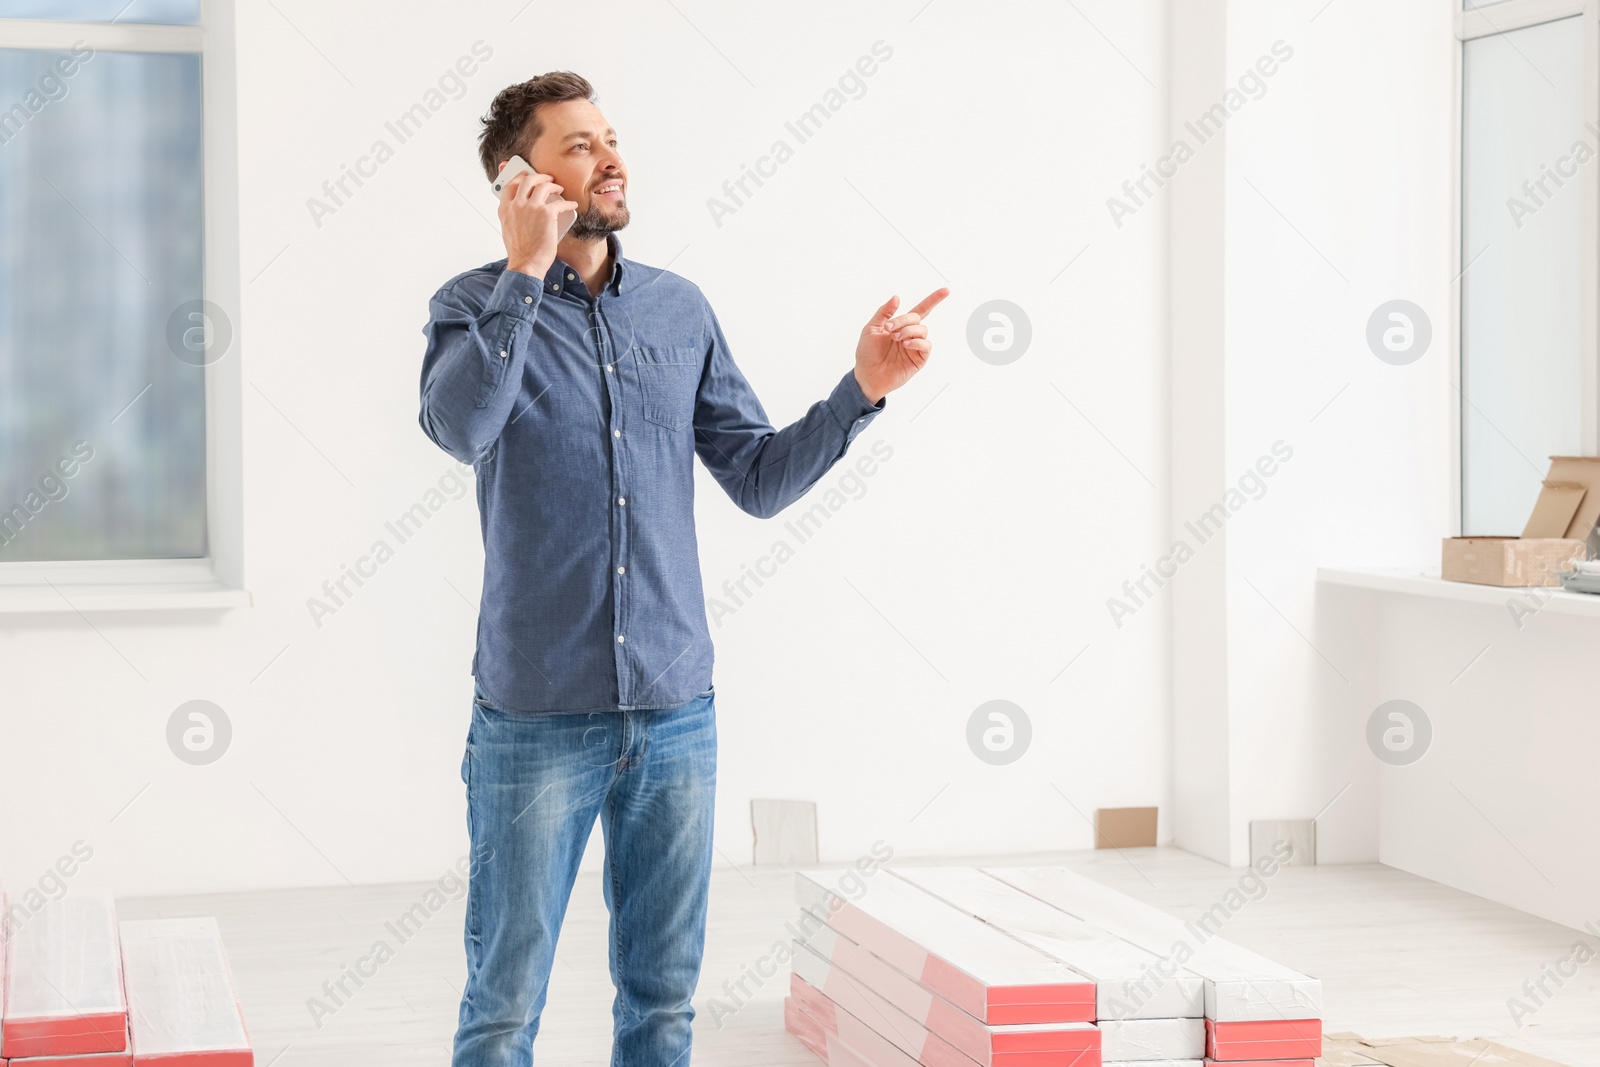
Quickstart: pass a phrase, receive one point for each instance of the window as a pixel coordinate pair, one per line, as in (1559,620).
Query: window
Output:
(156,12)
(118,455)
(1529,151)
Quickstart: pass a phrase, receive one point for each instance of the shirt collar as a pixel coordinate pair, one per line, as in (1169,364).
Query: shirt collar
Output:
(621,279)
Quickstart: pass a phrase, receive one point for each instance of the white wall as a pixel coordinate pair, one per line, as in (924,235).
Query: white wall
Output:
(1504,803)
(980,156)
(1196,439)
(1337,199)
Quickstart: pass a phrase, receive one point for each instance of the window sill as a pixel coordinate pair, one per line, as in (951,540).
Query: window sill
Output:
(136,585)
(1413,581)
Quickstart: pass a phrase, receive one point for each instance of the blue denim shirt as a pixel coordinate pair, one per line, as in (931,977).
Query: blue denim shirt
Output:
(582,416)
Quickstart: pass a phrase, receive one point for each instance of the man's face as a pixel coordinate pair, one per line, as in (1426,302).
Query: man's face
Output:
(578,148)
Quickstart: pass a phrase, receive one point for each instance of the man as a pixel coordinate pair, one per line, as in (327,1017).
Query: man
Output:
(581,385)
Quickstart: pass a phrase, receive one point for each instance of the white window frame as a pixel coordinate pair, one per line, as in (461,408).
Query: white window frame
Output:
(1504,17)
(217,580)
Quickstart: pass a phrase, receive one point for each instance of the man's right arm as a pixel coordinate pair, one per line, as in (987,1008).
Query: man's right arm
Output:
(472,369)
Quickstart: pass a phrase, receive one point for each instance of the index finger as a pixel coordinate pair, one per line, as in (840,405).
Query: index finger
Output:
(931,301)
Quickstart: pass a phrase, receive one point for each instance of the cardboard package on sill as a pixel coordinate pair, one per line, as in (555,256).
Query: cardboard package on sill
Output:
(1559,530)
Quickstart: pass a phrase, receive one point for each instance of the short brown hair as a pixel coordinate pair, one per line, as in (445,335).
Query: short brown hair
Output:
(513,124)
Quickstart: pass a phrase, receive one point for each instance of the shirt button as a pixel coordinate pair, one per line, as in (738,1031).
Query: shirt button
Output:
(554,287)
(527,300)
(622,570)
(502,353)
(620,639)
(616,433)
(622,500)
(571,276)
(608,368)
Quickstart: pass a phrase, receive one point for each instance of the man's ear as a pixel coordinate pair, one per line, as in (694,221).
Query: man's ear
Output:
(502,166)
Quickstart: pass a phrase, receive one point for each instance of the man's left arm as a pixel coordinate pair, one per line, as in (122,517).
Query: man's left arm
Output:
(765,470)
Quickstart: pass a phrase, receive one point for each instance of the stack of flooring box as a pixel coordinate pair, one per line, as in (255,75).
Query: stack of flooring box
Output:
(1029,967)
(81,990)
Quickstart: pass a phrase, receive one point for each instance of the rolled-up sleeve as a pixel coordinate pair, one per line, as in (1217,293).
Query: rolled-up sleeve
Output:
(764,470)
(474,361)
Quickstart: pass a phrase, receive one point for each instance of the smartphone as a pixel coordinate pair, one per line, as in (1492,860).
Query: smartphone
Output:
(517,165)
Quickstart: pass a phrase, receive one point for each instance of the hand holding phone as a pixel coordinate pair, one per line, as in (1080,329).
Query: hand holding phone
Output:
(534,216)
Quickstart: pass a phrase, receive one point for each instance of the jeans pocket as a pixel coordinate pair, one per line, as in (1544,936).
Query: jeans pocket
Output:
(466,753)
(483,702)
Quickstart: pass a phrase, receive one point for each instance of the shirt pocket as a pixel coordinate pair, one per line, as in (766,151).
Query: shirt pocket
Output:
(669,380)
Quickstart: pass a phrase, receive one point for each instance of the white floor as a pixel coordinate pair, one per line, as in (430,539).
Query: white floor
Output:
(1397,954)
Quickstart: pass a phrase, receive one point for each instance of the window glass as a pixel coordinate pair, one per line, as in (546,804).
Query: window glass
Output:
(163,12)
(1521,295)
(102,403)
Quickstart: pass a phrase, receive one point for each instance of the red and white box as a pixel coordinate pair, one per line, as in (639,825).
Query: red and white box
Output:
(87,1059)
(872,1044)
(888,1023)
(981,970)
(1264,1039)
(1055,1045)
(847,1040)
(824,1045)
(1129,982)
(1144,1040)
(63,990)
(976,1039)
(1240,985)
(801,1025)
(842,1055)
(183,1007)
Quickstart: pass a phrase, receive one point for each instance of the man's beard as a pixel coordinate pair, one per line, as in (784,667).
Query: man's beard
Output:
(593,223)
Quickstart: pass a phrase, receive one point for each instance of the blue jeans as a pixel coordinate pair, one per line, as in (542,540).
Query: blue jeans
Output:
(534,785)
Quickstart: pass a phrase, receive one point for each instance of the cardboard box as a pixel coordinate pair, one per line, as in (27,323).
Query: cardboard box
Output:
(1559,530)
(1514,561)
